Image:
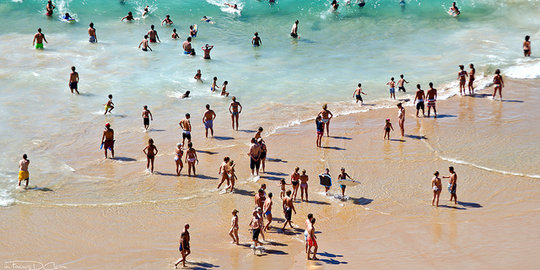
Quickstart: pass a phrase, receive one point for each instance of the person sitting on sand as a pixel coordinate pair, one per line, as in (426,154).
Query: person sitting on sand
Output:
(150,151)
(387,127)
(24,175)
(129,17)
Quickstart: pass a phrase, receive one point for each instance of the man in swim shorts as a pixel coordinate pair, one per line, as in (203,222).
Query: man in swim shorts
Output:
(208,120)
(254,157)
(392,85)
(288,208)
(49,8)
(153,35)
(128,18)
(431,100)
(267,210)
(73,80)
(38,39)
(167,20)
(527,47)
(419,100)
(308,223)
(24,175)
(147,116)
(452,184)
(235,109)
(401,83)
(256,40)
(144,44)
(185,124)
(311,241)
(107,140)
(294,30)
(187,46)
(92,33)
(256,225)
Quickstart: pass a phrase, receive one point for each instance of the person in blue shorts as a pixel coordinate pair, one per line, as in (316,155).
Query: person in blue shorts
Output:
(343,175)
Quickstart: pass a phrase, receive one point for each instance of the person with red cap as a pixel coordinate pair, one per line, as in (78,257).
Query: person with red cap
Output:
(107,140)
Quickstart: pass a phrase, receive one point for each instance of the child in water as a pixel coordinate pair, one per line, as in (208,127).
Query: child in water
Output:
(387,127)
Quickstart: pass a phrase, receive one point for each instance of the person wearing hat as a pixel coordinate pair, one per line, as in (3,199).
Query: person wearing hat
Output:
(233,232)
(107,140)
(178,158)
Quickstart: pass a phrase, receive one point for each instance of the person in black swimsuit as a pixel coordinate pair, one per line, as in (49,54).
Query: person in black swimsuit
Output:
(150,151)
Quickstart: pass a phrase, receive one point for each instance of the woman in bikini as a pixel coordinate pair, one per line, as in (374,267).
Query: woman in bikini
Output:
(498,84)
(326,115)
(436,185)
(232,176)
(150,151)
(224,172)
(471,79)
(191,158)
(303,185)
(178,158)
(295,177)
(462,77)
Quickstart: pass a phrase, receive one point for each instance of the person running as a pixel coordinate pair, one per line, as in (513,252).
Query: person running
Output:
(206,49)
(267,210)
(150,151)
(147,116)
(49,8)
(311,240)
(419,100)
(224,172)
(343,175)
(174,34)
(144,44)
(185,124)
(178,158)
(107,140)
(167,20)
(471,79)
(214,85)
(38,39)
(294,30)
(191,158)
(387,127)
(233,232)
(295,182)
(187,46)
(193,31)
(145,11)
(153,35)
(129,17)
(256,40)
(304,185)
(431,100)
(401,119)
(326,117)
(184,247)
(224,89)
(392,85)
(436,186)
(358,94)
(288,208)
(232,176)
(320,130)
(452,184)
(198,76)
(92,33)
(256,226)
(73,80)
(208,120)
(306,234)
(527,47)
(109,106)
(498,84)
(254,157)
(235,108)
(24,175)
(401,83)
(462,77)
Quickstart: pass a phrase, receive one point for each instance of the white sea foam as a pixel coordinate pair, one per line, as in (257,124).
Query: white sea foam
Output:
(457,161)
(525,70)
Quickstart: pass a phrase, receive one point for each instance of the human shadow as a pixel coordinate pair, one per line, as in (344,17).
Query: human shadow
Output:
(480,95)
(156,130)
(203,265)
(361,200)
(272,178)
(44,189)
(247,131)
(404,99)
(205,177)
(276,160)
(84,94)
(397,140)
(123,159)
(276,252)
(206,152)
(416,137)
(117,115)
(276,173)
(329,255)
(452,207)
(470,204)
(366,104)
(277,244)
(341,138)
(512,100)
(444,116)
(330,258)
(244,192)
(333,148)
(223,138)
(165,174)
(318,202)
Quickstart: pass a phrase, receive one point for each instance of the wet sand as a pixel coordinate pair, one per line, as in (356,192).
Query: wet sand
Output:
(130,220)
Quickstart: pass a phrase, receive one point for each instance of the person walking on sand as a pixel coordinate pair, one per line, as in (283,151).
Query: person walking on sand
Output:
(452,184)
(73,81)
(401,82)
(401,117)
(358,94)
(150,151)
(233,232)
(431,100)
(178,158)
(294,30)
(184,247)
(235,108)
(436,186)
(387,127)
(308,223)
(92,33)
(153,35)
(256,226)
(288,208)
(256,40)
(327,173)
(320,130)
(527,47)
(109,106)
(498,84)
(224,172)
(392,85)
(185,124)
(462,77)
(147,116)
(144,44)
(107,140)
(255,157)
(38,39)
(471,79)
(260,198)
(232,176)
(206,49)
(342,176)
(326,116)
(419,100)
(295,182)
(208,120)
(24,175)
(267,210)
(304,185)
(191,158)
(312,242)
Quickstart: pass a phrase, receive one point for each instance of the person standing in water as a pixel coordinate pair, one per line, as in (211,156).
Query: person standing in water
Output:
(471,79)
(498,83)
(152,33)
(392,90)
(128,18)
(462,77)
(452,184)
(311,241)
(306,234)
(401,83)
(419,100)
(256,225)
(185,124)
(198,76)
(92,33)
(206,49)
(224,89)
(224,172)
(109,106)
(107,140)
(184,247)
(150,151)
(320,130)
(73,80)
(174,35)
(358,94)
(401,117)
(233,232)
(254,157)
(235,108)
(267,210)
(334,5)
(431,100)
(295,182)
(387,128)
(343,175)
(288,208)
(191,158)
(304,185)
(187,46)
(294,30)
(232,176)
(178,158)
(208,120)
(49,8)
(326,115)
(145,11)
(527,47)
(256,40)
(24,175)
(144,44)
(327,173)
(214,85)
(454,10)
(264,152)
(147,116)
(436,186)
(38,39)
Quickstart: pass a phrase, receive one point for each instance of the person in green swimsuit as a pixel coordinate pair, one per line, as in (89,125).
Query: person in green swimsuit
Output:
(38,39)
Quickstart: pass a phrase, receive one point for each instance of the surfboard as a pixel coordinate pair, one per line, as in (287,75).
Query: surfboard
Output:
(325,180)
(348,182)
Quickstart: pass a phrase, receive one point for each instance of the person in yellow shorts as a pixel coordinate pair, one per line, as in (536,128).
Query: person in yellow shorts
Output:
(23,170)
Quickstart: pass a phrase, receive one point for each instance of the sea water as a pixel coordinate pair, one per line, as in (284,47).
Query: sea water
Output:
(281,83)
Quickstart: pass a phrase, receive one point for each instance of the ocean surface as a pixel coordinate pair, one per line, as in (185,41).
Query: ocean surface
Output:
(281,83)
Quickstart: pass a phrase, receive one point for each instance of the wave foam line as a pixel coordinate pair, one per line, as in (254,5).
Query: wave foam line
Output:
(457,161)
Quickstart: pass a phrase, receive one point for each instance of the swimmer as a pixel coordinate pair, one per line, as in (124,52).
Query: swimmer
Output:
(24,175)
(128,18)
(235,6)
(401,83)
(186,94)
(153,35)
(392,85)
(454,10)
(361,3)
(109,106)
(462,77)
(207,19)
(144,44)
(73,80)
(288,207)
(198,76)
(320,130)
(147,116)
(267,210)
(167,20)
(294,30)
(401,117)
(436,186)
(471,79)
(206,49)
(387,127)
(233,232)
(145,11)
(67,17)
(214,85)
(304,185)
(187,46)
(419,100)
(498,84)
(343,175)
(224,89)
(192,31)
(174,34)
(107,140)
(150,151)
(38,39)
(431,100)
(326,117)
(256,40)
(358,94)
(185,124)
(191,158)
(235,108)
(178,158)
(527,47)
(49,8)
(208,120)
(92,33)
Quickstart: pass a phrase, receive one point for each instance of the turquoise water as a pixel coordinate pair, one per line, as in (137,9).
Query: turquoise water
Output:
(281,83)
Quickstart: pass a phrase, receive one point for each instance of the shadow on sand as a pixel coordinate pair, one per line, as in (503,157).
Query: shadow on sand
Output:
(244,192)
(330,258)
(205,177)
(416,137)
(361,201)
(206,152)
(333,148)
(222,138)
(202,265)
(276,160)
(397,140)
(341,138)
(470,204)
(123,159)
